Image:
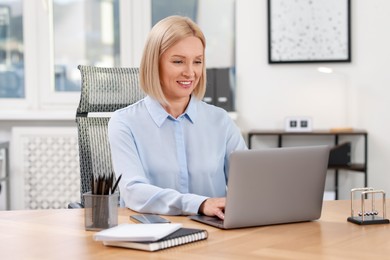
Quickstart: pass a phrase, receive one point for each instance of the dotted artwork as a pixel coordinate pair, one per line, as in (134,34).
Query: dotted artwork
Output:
(309,30)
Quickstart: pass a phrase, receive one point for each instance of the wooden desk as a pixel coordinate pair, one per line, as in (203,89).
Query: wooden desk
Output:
(60,234)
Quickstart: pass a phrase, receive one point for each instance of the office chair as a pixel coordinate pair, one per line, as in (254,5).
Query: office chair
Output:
(103,90)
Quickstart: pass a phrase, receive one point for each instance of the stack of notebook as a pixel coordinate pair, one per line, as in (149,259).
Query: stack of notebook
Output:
(149,237)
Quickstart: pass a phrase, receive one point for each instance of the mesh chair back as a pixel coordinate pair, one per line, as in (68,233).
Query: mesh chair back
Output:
(103,90)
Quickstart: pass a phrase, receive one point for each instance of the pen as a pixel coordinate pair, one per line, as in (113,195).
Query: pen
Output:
(116,183)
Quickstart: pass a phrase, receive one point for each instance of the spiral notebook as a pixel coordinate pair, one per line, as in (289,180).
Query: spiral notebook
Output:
(179,237)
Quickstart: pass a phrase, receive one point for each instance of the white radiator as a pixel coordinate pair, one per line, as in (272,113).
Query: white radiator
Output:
(45,170)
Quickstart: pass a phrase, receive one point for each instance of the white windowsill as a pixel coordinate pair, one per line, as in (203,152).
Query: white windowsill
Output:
(12,115)
(55,115)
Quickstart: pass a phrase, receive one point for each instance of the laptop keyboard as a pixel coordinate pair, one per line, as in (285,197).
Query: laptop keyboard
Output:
(215,220)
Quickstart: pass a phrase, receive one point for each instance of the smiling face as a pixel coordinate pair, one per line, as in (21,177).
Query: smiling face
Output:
(181,66)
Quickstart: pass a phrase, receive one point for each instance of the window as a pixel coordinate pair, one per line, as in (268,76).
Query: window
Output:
(164,8)
(85,32)
(43,41)
(219,30)
(11,49)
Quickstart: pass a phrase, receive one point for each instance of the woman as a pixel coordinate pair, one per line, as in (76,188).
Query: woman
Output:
(171,148)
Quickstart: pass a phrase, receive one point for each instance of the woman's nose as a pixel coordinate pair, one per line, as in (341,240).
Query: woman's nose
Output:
(189,71)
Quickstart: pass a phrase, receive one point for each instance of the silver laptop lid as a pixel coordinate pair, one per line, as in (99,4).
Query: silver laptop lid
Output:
(276,185)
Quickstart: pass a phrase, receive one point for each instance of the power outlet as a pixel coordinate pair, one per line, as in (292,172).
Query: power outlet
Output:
(298,124)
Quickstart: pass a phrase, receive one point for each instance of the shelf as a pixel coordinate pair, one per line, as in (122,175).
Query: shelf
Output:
(359,167)
(314,132)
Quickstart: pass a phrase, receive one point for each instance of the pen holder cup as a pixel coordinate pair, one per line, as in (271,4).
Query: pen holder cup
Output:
(101,211)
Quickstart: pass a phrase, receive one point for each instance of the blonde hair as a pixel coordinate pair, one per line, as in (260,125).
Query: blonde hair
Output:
(163,35)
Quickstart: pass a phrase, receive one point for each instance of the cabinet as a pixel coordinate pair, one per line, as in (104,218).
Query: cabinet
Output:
(336,135)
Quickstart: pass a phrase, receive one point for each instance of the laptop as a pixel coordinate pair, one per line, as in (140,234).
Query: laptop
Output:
(273,186)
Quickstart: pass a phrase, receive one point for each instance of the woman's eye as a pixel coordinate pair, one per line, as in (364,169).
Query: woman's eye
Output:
(198,62)
(177,61)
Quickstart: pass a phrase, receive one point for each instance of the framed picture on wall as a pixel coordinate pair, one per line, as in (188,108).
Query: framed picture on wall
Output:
(309,31)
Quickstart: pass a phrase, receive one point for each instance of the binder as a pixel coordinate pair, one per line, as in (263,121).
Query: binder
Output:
(224,95)
(219,88)
(209,96)
(340,155)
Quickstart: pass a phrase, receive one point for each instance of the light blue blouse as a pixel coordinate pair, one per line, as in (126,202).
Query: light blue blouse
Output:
(168,165)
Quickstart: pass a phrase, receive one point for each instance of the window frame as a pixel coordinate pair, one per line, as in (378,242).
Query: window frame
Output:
(132,13)
(41,101)
(40,94)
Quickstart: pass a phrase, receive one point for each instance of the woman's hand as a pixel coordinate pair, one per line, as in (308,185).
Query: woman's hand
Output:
(213,207)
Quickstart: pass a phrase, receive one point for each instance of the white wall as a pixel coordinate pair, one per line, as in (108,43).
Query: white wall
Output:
(356,95)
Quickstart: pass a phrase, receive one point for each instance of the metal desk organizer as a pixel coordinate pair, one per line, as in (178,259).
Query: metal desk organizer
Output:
(368,217)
